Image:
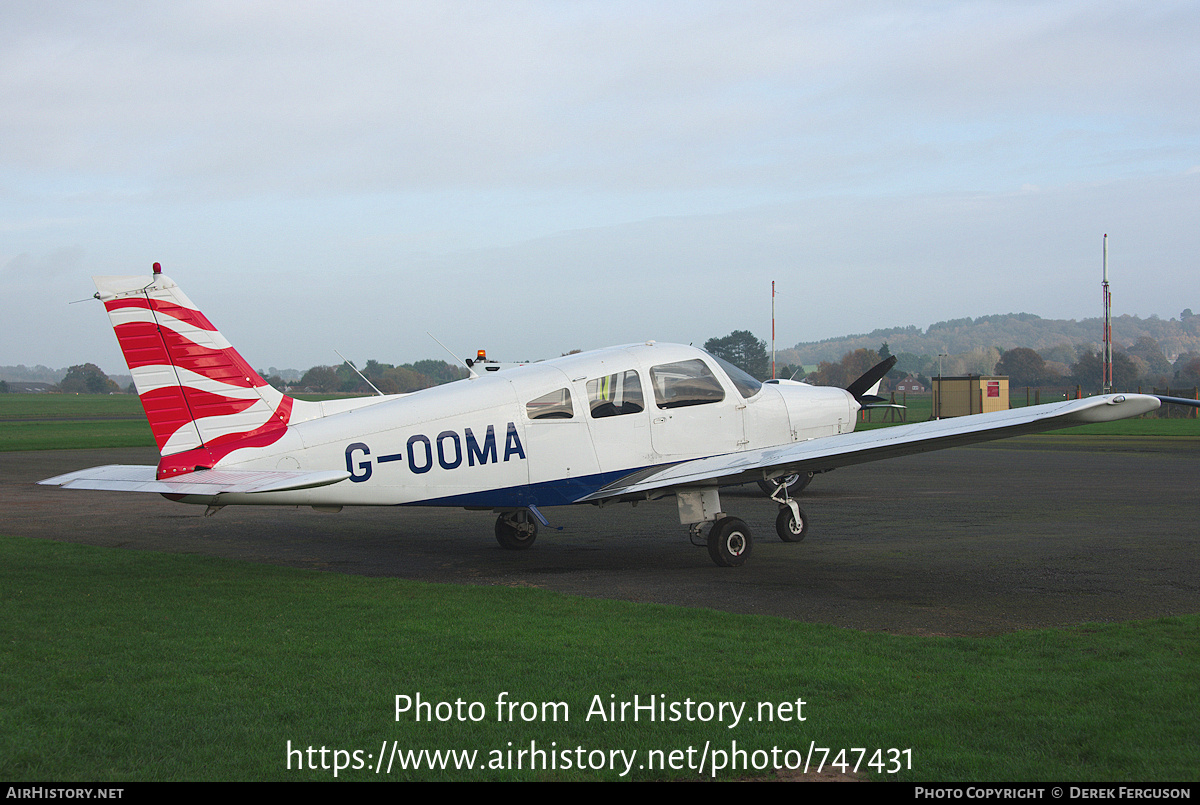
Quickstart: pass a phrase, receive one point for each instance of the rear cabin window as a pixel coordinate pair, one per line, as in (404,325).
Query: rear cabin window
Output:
(685,383)
(555,405)
(615,395)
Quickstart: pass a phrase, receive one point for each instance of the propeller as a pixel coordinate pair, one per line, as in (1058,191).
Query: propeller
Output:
(864,389)
(1178,400)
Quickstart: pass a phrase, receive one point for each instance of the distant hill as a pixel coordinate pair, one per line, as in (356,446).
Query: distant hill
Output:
(1005,331)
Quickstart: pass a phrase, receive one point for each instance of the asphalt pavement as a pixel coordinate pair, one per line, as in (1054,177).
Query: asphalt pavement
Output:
(1035,532)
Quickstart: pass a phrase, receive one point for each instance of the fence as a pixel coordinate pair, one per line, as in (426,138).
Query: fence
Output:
(1037,396)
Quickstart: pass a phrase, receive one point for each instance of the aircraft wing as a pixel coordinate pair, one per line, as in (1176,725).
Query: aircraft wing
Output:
(140,478)
(830,452)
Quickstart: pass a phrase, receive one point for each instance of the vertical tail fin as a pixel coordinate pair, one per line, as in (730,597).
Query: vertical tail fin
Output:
(202,399)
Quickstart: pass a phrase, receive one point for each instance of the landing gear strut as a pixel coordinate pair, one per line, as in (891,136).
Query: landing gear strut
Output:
(795,484)
(791,524)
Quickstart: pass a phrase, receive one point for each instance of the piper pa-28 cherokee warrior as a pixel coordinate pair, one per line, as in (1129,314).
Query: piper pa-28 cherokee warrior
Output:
(627,423)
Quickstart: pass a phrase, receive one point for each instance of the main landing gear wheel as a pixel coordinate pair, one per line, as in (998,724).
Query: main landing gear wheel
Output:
(787,527)
(795,484)
(517,530)
(729,542)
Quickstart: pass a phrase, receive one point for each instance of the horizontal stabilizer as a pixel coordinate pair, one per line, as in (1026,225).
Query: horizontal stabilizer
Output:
(141,478)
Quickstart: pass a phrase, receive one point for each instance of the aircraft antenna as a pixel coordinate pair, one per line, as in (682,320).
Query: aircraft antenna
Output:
(1107,381)
(772,329)
(360,374)
(457,359)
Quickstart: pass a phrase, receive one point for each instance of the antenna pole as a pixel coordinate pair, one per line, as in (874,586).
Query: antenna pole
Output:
(772,329)
(1107,380)
(360,374)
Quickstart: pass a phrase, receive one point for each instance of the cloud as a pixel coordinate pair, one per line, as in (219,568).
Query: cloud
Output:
(227,98)
(570,164)
(28,269)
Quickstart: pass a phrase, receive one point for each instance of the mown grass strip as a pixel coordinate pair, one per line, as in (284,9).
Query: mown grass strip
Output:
(71,435)
(89,406)
(79,421)
(69,406)
(124,665)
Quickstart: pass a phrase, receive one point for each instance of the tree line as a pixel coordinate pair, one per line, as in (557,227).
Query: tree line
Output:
(387,378)
(1142,364)
(88,378)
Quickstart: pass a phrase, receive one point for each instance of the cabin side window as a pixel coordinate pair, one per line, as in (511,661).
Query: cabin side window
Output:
(746,384)
(685,383)
(615,395)
(555,405)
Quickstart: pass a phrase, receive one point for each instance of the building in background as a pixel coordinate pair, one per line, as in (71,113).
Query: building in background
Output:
(970,394)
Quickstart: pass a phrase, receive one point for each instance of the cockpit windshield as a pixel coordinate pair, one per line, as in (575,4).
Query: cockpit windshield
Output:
(747,386)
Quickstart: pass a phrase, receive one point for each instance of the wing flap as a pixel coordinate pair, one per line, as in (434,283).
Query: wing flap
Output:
(140,478)
(830,452)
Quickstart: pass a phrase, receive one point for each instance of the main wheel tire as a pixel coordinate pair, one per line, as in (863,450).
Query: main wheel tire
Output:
(787,528)
(796,484)
(516,531)
(729,542)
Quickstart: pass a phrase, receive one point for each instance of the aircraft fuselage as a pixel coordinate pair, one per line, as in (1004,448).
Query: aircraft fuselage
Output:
(543,434)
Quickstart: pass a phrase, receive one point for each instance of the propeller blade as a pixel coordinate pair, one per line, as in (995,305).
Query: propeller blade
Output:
(1178,400)
(864,384)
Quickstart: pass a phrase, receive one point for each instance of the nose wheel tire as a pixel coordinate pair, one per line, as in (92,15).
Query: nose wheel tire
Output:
(729,542)
(788,527)
(517,530)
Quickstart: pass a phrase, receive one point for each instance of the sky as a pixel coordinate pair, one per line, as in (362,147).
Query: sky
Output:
(536,177)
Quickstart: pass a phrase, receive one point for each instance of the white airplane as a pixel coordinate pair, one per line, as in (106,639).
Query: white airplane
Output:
(628,423)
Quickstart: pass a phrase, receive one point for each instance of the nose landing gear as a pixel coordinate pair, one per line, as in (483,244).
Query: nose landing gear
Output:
(791,524)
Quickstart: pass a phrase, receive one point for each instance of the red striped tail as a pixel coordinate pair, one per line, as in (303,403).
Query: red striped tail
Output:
(202,399)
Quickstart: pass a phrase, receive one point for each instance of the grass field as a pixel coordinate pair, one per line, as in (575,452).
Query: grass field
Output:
(126,665)
(80,421)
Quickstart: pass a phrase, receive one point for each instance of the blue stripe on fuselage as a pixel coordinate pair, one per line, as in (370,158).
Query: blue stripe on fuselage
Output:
(559,492)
